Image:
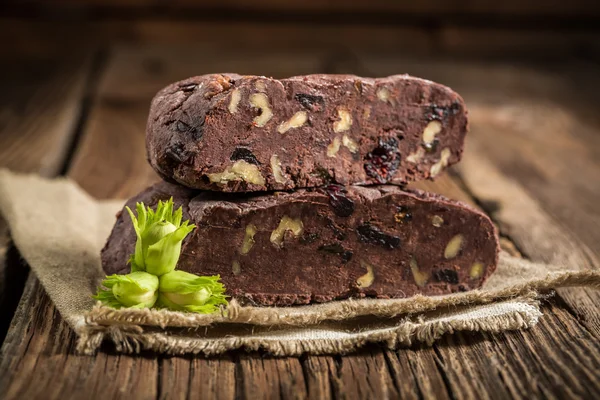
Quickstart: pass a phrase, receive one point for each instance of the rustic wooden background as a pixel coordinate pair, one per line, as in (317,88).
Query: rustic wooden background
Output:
(76,79)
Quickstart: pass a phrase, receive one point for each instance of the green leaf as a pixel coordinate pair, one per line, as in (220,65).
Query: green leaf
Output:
(107,297)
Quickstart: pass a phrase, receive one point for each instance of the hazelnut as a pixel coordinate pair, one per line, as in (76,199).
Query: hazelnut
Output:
(350,144)
(296,121)
(239,171)
(236,96)
(416,156)
(236,268)
(248,239)
(442,163)
(453,247)
(476,270)
(286,224)
(334,147)
(367,279)
(277,171)
(344,123)
(261,101)
(437,221)
(419,277)
(432,129)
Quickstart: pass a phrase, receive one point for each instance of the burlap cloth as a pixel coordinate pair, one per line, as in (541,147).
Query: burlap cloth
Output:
(59,230)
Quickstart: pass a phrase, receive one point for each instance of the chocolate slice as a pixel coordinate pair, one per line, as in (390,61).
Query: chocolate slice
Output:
(324,244)
(232,133)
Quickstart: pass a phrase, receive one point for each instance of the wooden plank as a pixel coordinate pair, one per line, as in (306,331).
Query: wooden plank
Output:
(430,7)
(39,112)
(138,72)
(185,378)
(366,375)
(39,345)
(541,362)
(320,374)
(34,357)
(40,348)
(110,161)
(270,378)
(515,42)
(40,105)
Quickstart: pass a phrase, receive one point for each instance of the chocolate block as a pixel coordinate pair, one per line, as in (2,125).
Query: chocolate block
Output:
(231,133)
(324,244)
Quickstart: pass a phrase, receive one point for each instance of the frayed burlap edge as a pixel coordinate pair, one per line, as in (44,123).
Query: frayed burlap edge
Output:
(333,311)
(126,328)
(133,339)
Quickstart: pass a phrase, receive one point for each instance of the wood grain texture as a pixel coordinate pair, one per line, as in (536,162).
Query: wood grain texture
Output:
(39,109)
(557,359)
(430,7)
(40,106)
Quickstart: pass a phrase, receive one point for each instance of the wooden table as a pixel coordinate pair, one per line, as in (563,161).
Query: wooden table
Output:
(74,102)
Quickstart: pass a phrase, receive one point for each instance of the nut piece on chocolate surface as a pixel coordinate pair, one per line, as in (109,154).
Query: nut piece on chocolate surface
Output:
(344,123)
(437,221)
(248,239)
(453,246)
(277,170)
(236,96)
(431,130)
(334,147)
(240,171)
(260,86)
(296,121)
(441,164)
(367,279)
(350,144)
(383,94)
(416,156)
(476,270)
(419,276)
(236,268)
(261,101)
(286,224)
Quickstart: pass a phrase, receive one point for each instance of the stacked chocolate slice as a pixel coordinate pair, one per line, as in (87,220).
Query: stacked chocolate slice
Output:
(296,187)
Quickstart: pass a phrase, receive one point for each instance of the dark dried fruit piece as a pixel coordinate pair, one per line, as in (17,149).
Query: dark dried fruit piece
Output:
(310,102)
(309,238)
(177,152)
(323,174)
(182,126)
(337,231)
(337,248)
(242,153)
(446,275)
(402,214)
(382,162)
(341,204)
(441,113)
(368,233)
